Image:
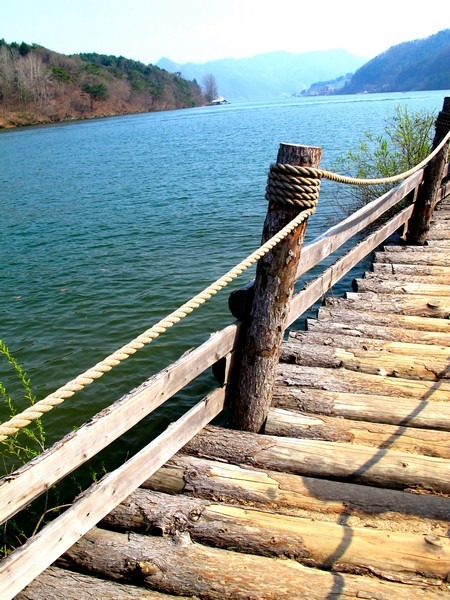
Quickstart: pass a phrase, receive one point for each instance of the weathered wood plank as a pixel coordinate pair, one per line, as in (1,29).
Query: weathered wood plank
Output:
(18,489)
(59,584)
(217,574)
(374,318)
(307,497)
(350,462)
(439,230)
(354,327)
(401,279)
(391,409)
(399,556)
(288,423)
(420,255)
(40,551)
(382,286)
(406,270)
(431,367)
(344,380)
(415,305)
(352,342)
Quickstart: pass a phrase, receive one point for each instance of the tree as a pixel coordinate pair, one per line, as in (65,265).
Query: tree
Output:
(210,89)
(406,141)
(96,92)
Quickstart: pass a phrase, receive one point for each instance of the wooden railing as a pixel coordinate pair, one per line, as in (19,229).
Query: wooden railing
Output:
(29,482)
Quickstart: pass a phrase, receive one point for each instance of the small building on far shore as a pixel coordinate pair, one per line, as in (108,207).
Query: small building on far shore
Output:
(218,101)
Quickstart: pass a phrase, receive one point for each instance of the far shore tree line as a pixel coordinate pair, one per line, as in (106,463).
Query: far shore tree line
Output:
(38,85)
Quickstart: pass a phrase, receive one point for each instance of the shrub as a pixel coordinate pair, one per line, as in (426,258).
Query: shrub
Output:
(404,143)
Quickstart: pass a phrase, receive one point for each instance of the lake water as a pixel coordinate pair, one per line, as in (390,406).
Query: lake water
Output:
(108,225)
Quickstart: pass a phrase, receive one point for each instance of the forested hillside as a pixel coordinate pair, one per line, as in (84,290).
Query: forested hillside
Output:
(38,85)
(412,66)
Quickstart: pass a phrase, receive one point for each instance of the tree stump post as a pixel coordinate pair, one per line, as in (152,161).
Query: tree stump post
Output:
(273,288)
(420,220)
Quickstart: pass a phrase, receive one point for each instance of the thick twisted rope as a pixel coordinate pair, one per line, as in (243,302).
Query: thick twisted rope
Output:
(66,391)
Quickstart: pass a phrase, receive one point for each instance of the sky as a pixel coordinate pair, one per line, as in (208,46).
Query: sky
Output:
(203,30)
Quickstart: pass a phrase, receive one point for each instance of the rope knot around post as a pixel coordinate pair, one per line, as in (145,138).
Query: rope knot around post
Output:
(293,185)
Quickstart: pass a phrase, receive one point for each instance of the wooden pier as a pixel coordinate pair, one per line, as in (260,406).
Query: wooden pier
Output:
(346,494)
(343,492)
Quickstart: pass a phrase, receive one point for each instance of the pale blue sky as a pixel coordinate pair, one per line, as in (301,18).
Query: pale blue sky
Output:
(201,30)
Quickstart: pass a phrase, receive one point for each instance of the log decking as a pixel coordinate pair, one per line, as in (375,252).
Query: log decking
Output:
(345,495)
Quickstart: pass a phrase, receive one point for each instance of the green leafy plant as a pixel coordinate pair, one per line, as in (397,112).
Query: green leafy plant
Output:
(404,143)
(29,441)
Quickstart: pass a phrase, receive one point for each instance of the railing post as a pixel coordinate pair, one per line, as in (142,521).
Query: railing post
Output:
(420,220)
(274,283)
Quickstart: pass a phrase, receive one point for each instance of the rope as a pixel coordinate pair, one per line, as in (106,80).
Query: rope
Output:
(66,391)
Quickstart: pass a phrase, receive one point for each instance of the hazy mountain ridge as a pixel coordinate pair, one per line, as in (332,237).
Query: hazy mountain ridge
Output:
(269,75)
(422,64)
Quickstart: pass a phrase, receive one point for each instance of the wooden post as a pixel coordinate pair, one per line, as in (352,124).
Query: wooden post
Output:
(419,223)
(274,283)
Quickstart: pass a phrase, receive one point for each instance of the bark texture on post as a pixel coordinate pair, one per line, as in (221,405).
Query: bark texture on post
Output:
(274,283)
(419,223)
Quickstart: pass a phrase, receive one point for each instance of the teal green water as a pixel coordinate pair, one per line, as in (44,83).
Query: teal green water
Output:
(108,225)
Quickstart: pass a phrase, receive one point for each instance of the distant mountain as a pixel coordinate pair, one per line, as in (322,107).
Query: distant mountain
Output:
(411,66)
(269,75)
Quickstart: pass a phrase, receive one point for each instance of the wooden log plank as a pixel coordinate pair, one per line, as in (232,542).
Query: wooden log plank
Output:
(315,458)
(344,380)
(439,244)
(380,286)
(288,423)
(378,332)
(28,561)
(401,279)
(356,342)
(374,408)
(415,305)
(25,484)
(417,251)
(368,360)
(421,255)
(398,556)
(182,567)
(439,230)
(59,584)
(306,497)
(416,323)
(399,269)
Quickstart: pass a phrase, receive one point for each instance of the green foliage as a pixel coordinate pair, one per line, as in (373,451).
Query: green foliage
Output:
(405,142)
(29,441)
(62,74)
(96,91)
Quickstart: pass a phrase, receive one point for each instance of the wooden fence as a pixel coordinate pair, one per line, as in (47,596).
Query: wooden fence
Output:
(32,480)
